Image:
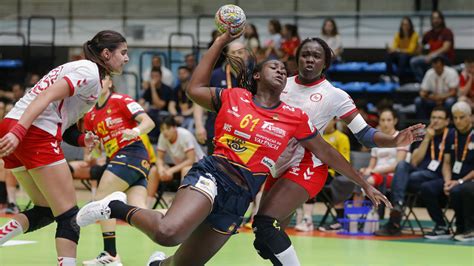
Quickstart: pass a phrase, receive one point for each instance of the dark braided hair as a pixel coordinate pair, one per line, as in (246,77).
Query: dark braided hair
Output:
(244,72)
(328,52)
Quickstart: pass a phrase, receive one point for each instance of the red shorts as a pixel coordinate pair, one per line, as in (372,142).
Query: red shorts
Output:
(305,174)
(38,147)
(378,179)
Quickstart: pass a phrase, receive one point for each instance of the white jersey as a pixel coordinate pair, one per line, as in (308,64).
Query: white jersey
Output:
(185,142)
(322,102)
(84,85)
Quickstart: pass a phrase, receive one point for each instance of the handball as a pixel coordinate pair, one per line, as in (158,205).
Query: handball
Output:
(232,17)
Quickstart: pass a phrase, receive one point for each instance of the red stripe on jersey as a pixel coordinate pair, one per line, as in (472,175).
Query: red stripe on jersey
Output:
(348,113)
(316,82)
(71,86)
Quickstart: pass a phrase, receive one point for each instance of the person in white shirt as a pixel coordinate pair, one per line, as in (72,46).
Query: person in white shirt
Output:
(439,87)
(182,148)
(166,75)
(32,132)
(330,35)
(299,175)
(383,160)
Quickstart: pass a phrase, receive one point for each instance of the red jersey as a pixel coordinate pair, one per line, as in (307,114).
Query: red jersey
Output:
(255,136)
(108,121)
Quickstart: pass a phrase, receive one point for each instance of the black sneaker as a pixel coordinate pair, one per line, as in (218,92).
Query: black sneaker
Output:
(12,208)
(439,232)
(389,229)
(334,227)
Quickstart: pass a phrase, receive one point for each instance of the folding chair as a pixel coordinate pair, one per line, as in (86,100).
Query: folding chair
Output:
(408,211)
(326,199)
(449,221)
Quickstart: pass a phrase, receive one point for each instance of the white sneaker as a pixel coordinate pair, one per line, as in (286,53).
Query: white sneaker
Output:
(305,226)
(104,258)
(98,210)
(156,256)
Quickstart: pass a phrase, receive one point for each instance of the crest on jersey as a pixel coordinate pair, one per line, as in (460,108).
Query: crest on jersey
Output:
(242,148)
(109,111)
(275,117)
(316,97)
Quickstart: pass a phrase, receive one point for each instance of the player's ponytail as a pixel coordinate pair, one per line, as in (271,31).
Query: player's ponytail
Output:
(93,48)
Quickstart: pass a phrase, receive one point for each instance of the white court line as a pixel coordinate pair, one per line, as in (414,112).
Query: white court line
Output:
(17,243)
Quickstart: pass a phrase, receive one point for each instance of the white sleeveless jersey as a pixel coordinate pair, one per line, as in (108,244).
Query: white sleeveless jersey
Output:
(322,102)
(84,84)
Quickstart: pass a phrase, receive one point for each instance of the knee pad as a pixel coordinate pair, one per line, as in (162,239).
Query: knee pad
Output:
(270,238)
(67,225)
(38,217)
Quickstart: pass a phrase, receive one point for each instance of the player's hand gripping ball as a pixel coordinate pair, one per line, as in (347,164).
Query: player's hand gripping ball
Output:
(232,17)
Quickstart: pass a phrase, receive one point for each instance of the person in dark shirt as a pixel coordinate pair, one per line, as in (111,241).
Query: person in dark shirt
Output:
(458,171)
(422,173)
(440,40)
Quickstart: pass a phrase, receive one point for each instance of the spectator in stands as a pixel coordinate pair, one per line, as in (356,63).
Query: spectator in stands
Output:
(439,87)
(458,172)
(167,75)
(290,42)
(155,100)
(182,147)
(180,106)
(440,41)
(190,61)
(404,46)
(223,77)
(340,187)
(466,82)
(291,66)
(330,35)
(383,161)
(221,60)
(251,40)
(273,44)
(422,173)
(31,80)
(18,91)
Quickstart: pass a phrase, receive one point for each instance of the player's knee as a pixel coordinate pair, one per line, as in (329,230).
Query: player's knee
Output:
(67,227)
(38,217)
(268,231)
(168,235)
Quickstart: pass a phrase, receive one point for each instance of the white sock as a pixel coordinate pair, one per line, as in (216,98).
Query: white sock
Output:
(10,230)
(288,257)
(11,193)
(66,261)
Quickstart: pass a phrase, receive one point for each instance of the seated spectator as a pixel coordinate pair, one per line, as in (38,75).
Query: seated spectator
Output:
(404,46)
(155,99)
(180,145)
(440,41)
(167,76)
(251,40)
(180,106)
(458,172)
(383,161)
(273,44)
(190,61)
(330,35)
(466,82)
(421,174)
(439,87)
(341,187)
(290,42)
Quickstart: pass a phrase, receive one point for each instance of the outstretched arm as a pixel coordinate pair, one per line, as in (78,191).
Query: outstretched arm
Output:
(327,154)
(371,137)
(198,89)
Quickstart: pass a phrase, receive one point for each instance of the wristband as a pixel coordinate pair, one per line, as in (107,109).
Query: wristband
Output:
(136,129)
(81,140)
(19,131)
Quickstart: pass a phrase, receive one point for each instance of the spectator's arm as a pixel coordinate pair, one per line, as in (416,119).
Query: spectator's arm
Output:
(156,101)
(446,170)
(443,49)
(201,134)
(465,84)
(401,154)
(412,46)
(172,108)
(419,153)
(190,159)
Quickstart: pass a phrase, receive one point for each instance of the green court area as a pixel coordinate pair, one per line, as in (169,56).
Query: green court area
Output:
(313,249)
